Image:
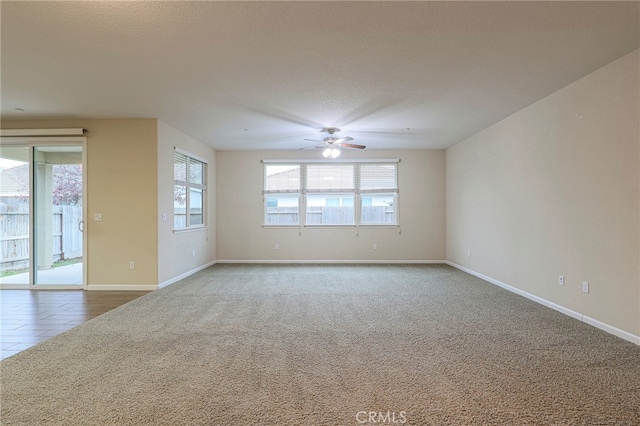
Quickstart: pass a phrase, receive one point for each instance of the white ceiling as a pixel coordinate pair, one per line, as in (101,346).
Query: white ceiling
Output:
(266,75)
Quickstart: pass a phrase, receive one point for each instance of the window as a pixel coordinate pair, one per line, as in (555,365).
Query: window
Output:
(189,191)
(335,193)
(282,194)
(379,189)
(330,189)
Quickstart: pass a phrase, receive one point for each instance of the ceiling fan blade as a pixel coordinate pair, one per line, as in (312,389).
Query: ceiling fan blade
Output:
(351,145)
(312,140)
(382,132)
(313,147)
(345,139)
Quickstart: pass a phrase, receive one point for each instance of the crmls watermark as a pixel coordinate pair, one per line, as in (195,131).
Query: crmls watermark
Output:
(380,417)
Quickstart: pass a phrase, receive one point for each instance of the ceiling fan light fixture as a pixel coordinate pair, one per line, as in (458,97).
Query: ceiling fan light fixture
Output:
(331,152)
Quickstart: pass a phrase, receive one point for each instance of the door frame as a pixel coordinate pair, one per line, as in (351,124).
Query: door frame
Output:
(37,141)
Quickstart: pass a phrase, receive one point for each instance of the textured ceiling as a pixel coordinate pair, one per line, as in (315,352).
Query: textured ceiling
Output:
(266,75)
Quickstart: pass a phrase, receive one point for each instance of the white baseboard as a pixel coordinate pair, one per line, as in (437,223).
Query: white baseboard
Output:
(612,330)
(121,287)
(573,314)
(185,275)
(147,287)
(329,261)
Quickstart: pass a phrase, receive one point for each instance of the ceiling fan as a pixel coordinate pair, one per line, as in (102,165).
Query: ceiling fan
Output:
(331,143)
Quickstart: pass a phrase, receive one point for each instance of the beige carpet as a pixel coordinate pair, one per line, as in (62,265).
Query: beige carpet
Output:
(326,345)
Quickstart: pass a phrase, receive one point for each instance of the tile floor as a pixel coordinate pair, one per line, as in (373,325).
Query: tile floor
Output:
(28,317)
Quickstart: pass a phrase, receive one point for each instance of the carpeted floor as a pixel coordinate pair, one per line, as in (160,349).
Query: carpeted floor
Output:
(326,345)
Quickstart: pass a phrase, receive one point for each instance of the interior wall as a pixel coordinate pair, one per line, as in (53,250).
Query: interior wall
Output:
(122,186)
(554,189)
(182,252)
(242,237)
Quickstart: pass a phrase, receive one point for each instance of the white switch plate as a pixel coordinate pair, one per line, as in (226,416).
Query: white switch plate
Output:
(164,217)
(97,217)
(585,287)
(561,279)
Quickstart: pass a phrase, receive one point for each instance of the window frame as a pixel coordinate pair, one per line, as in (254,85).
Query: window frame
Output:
(357,193)
(189,185)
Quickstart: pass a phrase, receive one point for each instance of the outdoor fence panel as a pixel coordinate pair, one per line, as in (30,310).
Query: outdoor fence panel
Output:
(14,234)
(71,235)
(282,215)
(378,215)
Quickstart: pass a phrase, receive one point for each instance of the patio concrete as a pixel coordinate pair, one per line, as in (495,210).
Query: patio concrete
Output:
(62,275)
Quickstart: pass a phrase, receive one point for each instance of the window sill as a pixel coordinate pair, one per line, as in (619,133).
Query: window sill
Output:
(330,226)
(368,226)
(190,229)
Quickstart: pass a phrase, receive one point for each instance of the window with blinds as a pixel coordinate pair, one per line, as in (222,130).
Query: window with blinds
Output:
(282,189)
(378,193)
(330,194)
(189,191)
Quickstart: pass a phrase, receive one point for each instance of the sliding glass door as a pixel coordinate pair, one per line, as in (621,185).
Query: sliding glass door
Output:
(41,215)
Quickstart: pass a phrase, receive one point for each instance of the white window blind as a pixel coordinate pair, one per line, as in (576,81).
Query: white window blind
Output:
(335,177)
(179,168)
(282,178)
(378,177)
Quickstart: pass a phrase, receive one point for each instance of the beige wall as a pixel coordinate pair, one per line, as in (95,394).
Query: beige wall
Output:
(241,235)
(121,184)
(181,253)
(554,189)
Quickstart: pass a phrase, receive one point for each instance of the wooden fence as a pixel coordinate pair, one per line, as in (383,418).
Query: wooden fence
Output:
(14,235)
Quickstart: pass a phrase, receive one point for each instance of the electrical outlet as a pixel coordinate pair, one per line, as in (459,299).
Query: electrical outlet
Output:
(132,265)
(561,279)
(585,287)
(164,217)
(193,253)
(468,253)
(97,217)
(375,247)
(276,246)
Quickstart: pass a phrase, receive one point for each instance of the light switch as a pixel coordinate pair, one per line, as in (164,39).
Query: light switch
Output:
(97,217)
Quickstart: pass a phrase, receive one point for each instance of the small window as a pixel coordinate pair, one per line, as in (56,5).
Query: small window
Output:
(189,191)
